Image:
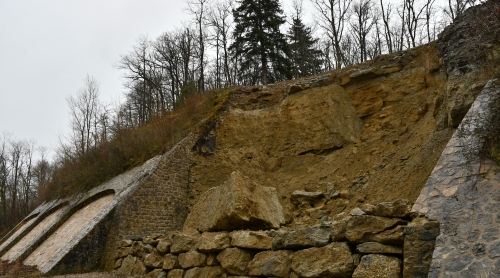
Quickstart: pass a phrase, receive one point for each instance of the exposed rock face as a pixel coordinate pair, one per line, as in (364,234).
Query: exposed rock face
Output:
(270,263)
(333,260)
(302,238)
(236,204)
(378,266)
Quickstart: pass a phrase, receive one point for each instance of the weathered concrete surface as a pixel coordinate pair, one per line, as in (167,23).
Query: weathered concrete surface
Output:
(52,249)
(463,196)
(34,234)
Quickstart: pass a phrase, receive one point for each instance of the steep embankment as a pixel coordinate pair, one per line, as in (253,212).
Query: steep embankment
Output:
(368,131)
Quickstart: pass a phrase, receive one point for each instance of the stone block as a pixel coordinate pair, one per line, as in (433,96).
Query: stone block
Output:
(235,260)
(251,240)
(238,203)
(184,242)
(170,262)
(302,238)
(153,260)
(378,248)
(399,208)
(164,246)
(175,273)
(378,266)
(204,272)
(270,264)
(214,242)
(363,228)
(333,260)
(192,259)
(420,240)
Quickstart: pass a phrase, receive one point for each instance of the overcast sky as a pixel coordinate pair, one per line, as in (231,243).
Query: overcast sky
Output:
(48,47)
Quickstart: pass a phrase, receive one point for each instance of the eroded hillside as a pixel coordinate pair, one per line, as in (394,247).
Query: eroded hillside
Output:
(372,132)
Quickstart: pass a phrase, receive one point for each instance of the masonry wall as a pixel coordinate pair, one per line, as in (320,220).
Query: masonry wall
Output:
(159,205)
(464,197)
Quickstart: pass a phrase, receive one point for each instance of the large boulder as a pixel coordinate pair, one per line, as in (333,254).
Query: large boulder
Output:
(333,260)
(378,266)
(237,204)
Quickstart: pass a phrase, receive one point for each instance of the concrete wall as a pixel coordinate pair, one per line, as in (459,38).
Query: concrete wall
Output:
(463,195)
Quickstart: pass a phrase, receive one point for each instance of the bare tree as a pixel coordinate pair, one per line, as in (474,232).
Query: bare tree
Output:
(455,8)
(84,111)
(364,18)
(386,15)
(198,9)
(334,15)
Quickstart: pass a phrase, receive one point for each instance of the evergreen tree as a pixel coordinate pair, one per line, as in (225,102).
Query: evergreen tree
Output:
(306,58)
(259,46)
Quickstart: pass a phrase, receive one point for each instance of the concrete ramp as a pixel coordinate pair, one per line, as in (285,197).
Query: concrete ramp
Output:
(18,249)
(69,234)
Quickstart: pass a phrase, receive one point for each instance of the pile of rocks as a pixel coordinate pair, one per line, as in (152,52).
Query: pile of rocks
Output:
(368,242)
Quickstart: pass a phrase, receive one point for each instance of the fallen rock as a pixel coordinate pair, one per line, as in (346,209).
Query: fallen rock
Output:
(123,252)
(378,266)
(192,259)
(125,243)
(302,238)
(333,260)
(214,242)
(204,272)
(378,248)
(270,263)
(153,260)
(170,262)
(251,240)
(235,260)
(312,198)
(237,204)
(363,228)
(184,242)
(399,208)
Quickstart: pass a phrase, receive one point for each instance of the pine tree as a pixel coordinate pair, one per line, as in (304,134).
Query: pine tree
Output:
(306,58)
(259,46)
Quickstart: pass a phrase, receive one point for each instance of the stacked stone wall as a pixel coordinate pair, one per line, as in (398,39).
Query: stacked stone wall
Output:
(463,195)
(370,241)
(159,205)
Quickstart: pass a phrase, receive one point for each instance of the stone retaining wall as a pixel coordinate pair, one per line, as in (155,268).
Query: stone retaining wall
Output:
(463,195)
(366,243)
(160,203)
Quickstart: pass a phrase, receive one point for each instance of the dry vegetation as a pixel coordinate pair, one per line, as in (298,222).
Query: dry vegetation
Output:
(132,147)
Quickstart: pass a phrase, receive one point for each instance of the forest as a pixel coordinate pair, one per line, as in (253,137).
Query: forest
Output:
(171,82)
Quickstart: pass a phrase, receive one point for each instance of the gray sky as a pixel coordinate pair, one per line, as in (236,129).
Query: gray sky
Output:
(48,47)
